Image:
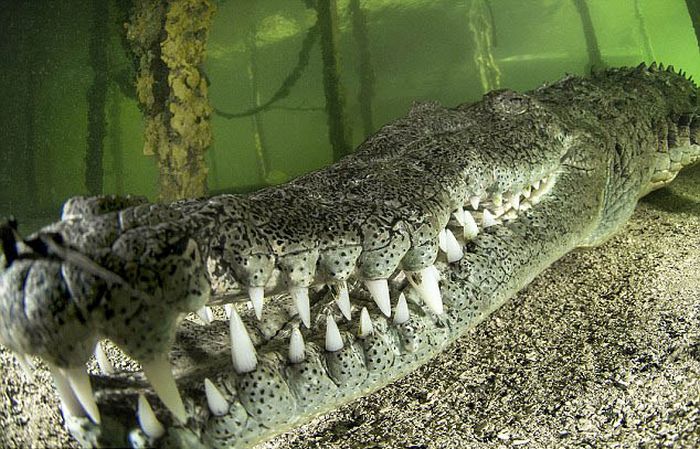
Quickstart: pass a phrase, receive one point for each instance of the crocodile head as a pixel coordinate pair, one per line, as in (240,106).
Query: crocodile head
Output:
(356,274)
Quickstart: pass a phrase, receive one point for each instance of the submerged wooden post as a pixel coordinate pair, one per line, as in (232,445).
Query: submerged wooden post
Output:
(643,33)
(257,117)
(335,99)
(481,27)
(97,97)
(169,39)
(115,141)
(694,11)
(364,65)
(595,60)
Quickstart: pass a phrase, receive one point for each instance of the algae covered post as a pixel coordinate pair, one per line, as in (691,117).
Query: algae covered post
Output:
(169,40)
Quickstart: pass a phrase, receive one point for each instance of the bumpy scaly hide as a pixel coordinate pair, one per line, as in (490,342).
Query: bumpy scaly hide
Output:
(346,260)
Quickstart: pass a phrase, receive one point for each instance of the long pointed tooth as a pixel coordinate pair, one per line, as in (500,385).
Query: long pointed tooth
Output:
(459,215)
(379,289)
(342,299)
(536,184)
(160,376)
(497,199)
(435,272)
(216,401)
(454,249)
(429,290)
(69,402)
(515,200)
(102,359)
(147,419)
(297,353)
(228,308)
(471,229)
(242,349)
(442,241)
(474,201)
(257,297)
(488,219)
(301,300)
(512,214)
(401,312)
(366,327)
(334,342)
(527,191)
(25,362)
(80,383)
(205,314)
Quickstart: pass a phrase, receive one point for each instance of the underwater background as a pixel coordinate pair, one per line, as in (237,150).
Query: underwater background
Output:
(269,90)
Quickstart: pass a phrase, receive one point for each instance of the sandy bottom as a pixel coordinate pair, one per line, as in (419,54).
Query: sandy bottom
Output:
(601,350)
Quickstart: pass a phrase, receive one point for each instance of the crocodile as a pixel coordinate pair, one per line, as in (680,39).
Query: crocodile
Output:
(342,280)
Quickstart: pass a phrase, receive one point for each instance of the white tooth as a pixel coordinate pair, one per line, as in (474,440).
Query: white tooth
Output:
(497,199)
(401,312)
(227,309)
(470,228)
(216,401)
(147,419)
(474,201)
(102,359)
(436,273)
(301,300)
(257,296)
(536,185)
(515,200)
(297,353)
(488,219)
(428,289)
(366,327)
(459,215)
(510,215)
(442,241)
(379,289)
(400,276)
(527,191)
(205,314)
(160,376)
(25,362)
(454,249)
(334,342)
(343,300)
(69,402)
(80,383)
(242,349)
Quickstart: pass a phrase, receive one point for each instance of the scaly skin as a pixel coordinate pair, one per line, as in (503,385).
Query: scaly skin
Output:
(127,271)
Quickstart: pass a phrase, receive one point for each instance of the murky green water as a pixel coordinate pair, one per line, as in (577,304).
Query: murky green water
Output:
(70,122)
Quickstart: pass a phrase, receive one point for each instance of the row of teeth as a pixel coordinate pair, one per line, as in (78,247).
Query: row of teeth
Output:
(491,211)
(245,360)
(75,391)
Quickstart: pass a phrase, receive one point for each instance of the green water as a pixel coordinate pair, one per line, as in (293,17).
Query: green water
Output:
(65,70)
